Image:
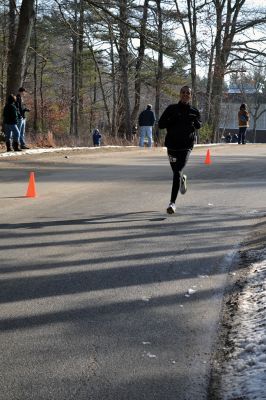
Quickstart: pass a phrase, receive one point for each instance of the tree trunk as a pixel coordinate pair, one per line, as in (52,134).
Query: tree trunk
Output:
(226,22)
(216,97)
(41,92)
(207,104)
(159,74)
(191,40)
(80,57)
(97,69)
(124,103)
(74,130)
(192,20)
(35,102)
(3,59)
(17,60)
(139,61)
(113,76)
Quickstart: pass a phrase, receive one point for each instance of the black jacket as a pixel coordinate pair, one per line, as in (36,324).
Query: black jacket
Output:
(10,114)
(146,118)
(21,107)
(180,120)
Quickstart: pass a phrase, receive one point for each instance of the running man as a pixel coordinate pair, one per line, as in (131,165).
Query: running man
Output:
(181,121)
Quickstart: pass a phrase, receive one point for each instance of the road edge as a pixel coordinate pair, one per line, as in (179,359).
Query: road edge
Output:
(249,252)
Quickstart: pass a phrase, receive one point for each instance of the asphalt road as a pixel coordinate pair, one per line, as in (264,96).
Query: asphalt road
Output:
(103,295)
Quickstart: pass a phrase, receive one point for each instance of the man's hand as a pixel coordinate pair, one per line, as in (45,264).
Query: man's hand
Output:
(195,120)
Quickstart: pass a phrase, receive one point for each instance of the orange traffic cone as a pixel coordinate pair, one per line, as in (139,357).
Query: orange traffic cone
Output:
(208,157)
(31,192)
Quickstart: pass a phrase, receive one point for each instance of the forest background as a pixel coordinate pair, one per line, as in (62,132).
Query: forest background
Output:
(96,64)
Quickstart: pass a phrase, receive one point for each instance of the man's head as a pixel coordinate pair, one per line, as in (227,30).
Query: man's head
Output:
(149,107)
(185,94)
(11,99)
(22,91)
(243,106)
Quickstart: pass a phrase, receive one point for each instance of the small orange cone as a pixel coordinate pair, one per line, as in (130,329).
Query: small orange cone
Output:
(208,158)
(31,192)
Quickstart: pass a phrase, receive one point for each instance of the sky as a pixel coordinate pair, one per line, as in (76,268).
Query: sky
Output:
(256,2)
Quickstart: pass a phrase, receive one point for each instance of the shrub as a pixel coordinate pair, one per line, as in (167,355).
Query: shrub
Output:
(205,134)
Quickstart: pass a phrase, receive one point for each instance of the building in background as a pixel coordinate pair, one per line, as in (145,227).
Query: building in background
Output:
(256,102)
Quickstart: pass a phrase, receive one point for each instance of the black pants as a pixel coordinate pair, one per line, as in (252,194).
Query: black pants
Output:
(242,134)
(178,160)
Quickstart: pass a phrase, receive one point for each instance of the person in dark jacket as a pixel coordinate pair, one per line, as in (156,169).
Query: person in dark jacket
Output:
(22,109)
(10,121)
(181,121)
(228,138)
(146,122)
(243,123)
(96,138)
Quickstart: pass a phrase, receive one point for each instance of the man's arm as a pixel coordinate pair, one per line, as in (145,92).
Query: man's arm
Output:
(19,106)
(196,119)
(164,119)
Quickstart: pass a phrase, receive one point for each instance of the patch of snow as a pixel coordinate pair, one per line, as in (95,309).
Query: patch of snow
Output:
(191,291)
(54,150)
(245,372)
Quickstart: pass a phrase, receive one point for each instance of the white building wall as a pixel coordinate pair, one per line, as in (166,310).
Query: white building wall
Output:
(229,119)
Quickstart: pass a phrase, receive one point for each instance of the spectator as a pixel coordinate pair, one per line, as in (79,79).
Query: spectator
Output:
(10,121)
(234,138)
(228,138)
(180,120)
(96,137)
(22,109)
(146,122)
(243,123)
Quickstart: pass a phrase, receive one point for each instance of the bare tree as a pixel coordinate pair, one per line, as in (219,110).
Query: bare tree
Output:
(74,76)
(159,74)
(139,61)
(228,25)
(189,23)
(125,128)
(18,53)
(256,101)
(5,24)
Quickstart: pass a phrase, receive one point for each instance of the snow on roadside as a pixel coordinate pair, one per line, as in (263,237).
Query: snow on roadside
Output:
(58,149)
(54,150)
(244,375)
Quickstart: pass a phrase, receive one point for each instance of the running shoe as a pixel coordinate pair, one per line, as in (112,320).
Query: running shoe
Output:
(171,208)
(183,186)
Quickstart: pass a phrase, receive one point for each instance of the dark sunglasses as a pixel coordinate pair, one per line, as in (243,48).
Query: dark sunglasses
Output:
(185,92)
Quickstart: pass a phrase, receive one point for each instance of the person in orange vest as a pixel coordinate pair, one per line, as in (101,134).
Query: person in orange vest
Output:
(243,123)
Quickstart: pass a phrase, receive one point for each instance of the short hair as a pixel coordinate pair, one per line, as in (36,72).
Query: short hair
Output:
(186,87)
(22,89)
(149,106)
(11,99)
(243,106)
